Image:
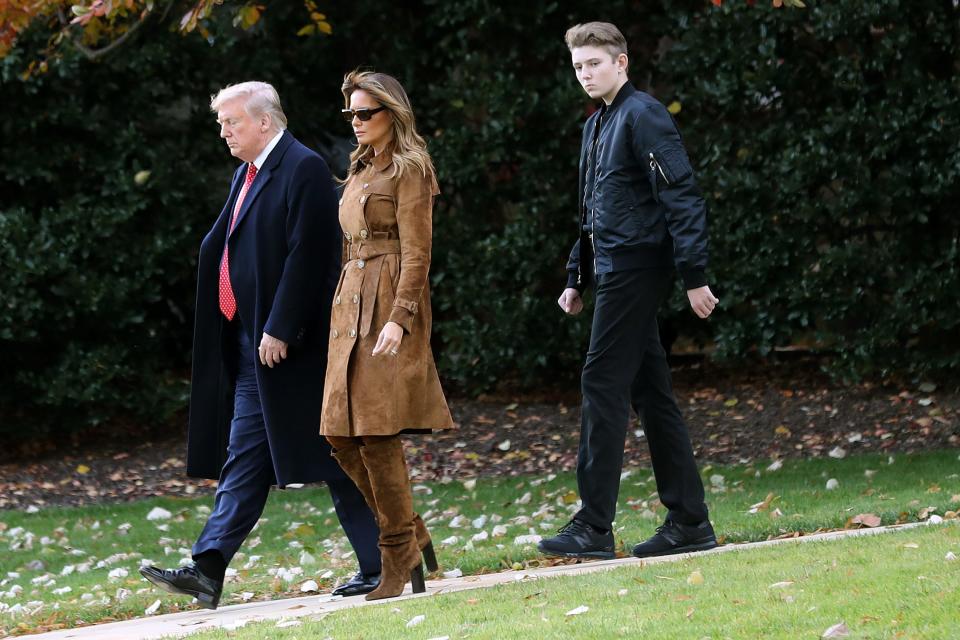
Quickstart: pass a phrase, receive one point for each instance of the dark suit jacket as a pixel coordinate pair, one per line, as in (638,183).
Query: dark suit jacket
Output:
(284,267)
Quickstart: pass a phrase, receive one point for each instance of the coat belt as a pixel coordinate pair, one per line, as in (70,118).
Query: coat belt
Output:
(368,249)
(371,252)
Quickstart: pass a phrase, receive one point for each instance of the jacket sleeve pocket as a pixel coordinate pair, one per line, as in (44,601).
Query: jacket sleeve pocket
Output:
(671,162)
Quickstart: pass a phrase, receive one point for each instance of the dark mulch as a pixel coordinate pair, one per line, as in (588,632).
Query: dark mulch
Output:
(769,412)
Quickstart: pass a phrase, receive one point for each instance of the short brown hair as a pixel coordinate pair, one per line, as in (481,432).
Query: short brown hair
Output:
(597,34)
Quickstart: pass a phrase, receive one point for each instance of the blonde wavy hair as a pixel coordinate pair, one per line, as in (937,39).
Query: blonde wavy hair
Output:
(408,147)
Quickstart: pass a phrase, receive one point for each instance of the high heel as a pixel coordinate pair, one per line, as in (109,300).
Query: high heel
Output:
(352,463)
(416,579)
(400,551)
(430,557)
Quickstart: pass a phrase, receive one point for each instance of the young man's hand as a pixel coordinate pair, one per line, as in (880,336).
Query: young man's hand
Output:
(571,302)
(702,301)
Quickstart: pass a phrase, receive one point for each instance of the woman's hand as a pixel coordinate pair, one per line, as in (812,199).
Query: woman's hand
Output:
(389,340)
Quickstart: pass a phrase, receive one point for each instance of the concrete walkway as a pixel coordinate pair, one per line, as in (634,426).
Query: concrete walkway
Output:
(178,625)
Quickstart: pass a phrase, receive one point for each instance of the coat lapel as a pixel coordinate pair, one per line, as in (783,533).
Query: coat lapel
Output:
(223,220)
(263,177)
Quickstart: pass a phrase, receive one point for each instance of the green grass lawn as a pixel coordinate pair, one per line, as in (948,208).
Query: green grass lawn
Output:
(55,565)
(897,585)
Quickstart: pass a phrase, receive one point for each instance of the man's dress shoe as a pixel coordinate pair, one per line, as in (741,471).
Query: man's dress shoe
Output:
(187,581)
(359,584)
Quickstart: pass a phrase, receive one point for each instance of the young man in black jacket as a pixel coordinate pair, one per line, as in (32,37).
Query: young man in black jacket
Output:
(641,213)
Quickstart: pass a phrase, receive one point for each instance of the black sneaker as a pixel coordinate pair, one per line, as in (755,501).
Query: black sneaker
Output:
(579,539)
(672,537)
(187,581)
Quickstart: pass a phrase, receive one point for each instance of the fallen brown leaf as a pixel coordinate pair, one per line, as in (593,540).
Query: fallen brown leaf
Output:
(865,519)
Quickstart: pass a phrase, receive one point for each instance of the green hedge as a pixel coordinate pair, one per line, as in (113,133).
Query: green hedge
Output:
(826,140)
(830,142)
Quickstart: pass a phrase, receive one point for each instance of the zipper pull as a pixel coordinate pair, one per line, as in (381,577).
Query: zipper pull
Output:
(656,165)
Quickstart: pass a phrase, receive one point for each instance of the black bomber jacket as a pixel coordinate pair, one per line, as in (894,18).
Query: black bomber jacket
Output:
(648,210)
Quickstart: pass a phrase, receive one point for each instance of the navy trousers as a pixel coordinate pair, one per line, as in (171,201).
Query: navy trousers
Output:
(248,474)
(626,365)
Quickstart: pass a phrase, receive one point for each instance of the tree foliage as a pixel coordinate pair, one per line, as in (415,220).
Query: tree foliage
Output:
(97,27)
(825,139)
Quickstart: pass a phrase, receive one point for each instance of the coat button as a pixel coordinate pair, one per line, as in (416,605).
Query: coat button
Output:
(366,184)
(363,234)
(353,333)
(337,301)
(336,334)
(346,234)
(356,299)
(361,264)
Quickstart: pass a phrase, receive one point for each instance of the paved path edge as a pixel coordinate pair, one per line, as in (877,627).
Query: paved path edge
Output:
(185,623)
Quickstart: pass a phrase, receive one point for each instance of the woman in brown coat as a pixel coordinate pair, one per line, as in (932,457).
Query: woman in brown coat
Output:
(381,379)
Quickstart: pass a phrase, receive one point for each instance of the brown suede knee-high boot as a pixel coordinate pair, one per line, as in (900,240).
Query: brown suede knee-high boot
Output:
(352,464)
(390,484)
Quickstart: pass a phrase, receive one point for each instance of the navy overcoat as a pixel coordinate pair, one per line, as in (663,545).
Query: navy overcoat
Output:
(284,266)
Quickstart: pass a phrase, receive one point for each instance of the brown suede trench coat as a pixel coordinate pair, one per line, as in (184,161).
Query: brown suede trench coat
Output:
(388,231)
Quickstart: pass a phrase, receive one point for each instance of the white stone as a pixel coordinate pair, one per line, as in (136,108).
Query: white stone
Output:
(289,623)
(159,513)
(415,620)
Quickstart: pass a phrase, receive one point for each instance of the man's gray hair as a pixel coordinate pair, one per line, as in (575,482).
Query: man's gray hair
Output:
(262,98)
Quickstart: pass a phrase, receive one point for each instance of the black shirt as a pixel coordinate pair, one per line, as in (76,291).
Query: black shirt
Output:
(591,176)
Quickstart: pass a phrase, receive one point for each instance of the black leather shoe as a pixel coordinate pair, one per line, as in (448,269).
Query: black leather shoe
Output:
(672,537)
(579,539)
(359,584)
(186,581)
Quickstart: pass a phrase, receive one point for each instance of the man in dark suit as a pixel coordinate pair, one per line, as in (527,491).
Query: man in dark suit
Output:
(267,272)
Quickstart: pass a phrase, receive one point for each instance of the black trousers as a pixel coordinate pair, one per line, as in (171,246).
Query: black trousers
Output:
(625,365)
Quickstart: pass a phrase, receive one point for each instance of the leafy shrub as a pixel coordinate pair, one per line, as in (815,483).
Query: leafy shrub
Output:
(826,141)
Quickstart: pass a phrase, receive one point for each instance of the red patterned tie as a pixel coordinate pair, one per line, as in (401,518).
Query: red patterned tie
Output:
(228,304)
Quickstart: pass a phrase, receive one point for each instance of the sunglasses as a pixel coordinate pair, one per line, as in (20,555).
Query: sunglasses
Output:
(363,114)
